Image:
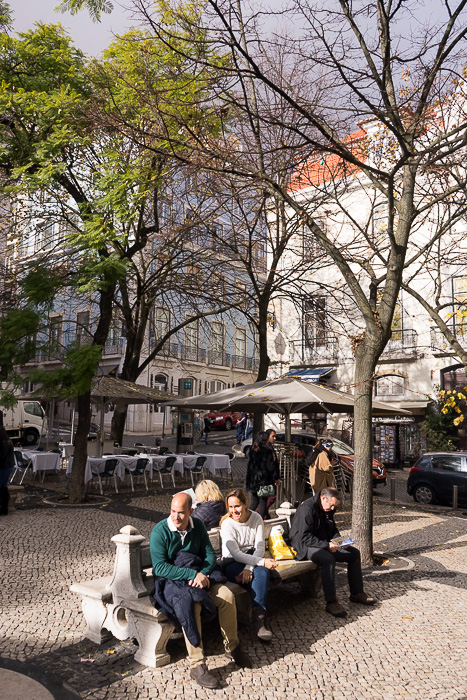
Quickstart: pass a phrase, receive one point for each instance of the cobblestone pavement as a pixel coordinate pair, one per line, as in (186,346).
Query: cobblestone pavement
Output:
(410,646)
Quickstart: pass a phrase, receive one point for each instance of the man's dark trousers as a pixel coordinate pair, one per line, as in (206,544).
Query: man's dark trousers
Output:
(326,561)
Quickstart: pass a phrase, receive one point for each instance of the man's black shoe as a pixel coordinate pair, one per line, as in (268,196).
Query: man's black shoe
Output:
(201,675)
(240,658)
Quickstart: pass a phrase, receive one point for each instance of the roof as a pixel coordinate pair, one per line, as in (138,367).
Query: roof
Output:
(325,167)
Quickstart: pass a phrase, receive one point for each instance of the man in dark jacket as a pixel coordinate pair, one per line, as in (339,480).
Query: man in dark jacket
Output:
(311,535)
(182,533)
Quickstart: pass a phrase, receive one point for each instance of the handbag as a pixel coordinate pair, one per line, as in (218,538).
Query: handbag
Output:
(265,491)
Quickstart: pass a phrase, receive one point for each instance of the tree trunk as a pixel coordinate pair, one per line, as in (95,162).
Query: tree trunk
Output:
(362,503)
(117,427)
(77,492)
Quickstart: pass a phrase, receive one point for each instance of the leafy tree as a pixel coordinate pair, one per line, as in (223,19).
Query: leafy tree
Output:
(65,160)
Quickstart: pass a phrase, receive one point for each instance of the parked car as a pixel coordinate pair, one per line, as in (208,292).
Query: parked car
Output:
(305,442)
(225,419)
(433,475)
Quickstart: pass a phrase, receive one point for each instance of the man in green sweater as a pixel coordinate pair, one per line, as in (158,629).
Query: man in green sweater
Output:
(182,533)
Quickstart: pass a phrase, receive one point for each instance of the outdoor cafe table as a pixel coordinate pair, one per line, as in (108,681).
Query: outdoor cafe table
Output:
(43,461)
(99,465)
(158,461)
(212,463)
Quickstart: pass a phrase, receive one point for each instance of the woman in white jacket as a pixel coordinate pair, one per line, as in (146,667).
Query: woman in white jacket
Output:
(242,533)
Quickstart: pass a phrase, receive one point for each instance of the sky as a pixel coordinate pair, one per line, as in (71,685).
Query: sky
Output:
(89,36)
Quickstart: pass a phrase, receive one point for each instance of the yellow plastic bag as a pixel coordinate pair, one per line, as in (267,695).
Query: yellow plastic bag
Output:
(278,549)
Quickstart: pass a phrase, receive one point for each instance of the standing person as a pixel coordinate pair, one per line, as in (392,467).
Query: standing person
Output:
(241,427)
(242,534)
(182,534)
(211,506)
(207,428)
(321,472)
(7,465)
(313,529)
(262,472)
(249,426)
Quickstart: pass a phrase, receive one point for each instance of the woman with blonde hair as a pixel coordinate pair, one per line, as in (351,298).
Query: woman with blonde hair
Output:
(243,560)
(211,506)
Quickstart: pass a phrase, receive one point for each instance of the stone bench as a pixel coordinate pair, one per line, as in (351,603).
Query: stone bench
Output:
(119,605)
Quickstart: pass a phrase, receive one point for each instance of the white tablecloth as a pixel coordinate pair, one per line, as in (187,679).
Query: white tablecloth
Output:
(158,461)
(43,461)
(213,461)
(98,464)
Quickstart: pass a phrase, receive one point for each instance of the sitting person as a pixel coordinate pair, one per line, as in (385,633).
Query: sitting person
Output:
(313,529)
(211,506)
(182,533)
(242,533)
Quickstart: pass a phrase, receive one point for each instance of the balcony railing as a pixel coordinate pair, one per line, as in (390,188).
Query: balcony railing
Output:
(317,350)
(403,343)
(114,347)
(440,345)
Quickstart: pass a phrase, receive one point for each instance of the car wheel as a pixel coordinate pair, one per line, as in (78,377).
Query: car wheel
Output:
(228,424)
(424,494)
(246,451)
(30,437)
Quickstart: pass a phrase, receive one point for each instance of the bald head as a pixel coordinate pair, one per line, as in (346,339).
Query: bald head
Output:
(180,510)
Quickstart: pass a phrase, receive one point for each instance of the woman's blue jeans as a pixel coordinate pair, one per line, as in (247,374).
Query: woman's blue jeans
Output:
(258,588)
(5,476)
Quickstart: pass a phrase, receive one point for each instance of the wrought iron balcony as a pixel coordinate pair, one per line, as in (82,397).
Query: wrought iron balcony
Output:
(439,344)
(316,350)
(403,343)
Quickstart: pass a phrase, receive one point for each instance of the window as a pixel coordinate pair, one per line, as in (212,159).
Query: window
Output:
(44,237)
(215,385)
(390,385)
(33,408)
(55,334)
(159,382)
(161,322)
(241,294)
(217,336)
(460,300)
(218,289)
(83,327)
(379,222)
(447,463)
(240,342)
(311,246)
(396,325)
(192,338)
(315,322)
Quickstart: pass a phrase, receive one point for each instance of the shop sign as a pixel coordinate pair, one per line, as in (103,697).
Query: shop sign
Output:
(394,419)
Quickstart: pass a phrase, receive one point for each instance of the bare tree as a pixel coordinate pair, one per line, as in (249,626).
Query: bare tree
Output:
(347,64)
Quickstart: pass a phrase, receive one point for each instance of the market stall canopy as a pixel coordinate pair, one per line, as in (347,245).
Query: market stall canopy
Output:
(120,391)
(284,395)
(109,389)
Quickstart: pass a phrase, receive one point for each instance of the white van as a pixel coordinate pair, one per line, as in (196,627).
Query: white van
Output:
(25,422)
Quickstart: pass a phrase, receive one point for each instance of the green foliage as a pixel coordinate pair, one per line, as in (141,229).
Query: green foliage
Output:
(40,285)
(94,7)
(18,329)
(439,427)
(6,19)
(74,378)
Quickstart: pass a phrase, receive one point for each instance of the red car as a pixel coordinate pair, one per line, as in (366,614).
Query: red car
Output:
(224,420)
